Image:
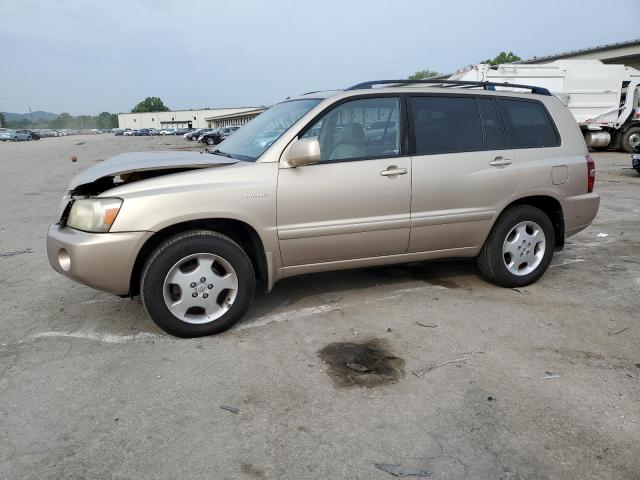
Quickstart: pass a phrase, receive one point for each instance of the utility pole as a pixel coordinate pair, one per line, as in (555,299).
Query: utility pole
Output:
(3,98)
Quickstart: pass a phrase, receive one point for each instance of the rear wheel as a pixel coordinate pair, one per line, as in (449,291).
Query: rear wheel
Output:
(519,248)
(197,283)
(631,139)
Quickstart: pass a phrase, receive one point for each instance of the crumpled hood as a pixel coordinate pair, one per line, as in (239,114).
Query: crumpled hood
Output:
(146,162)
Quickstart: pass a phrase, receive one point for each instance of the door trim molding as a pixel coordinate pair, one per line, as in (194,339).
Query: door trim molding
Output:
(315,230)
(423,220)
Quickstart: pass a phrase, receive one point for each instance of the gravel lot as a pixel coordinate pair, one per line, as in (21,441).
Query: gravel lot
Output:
(544,382)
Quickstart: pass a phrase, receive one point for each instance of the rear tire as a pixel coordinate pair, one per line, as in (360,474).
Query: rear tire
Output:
(631,139)
(166,284)
(519,248)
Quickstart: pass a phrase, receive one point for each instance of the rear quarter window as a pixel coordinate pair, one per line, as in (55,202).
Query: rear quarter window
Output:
(528,124)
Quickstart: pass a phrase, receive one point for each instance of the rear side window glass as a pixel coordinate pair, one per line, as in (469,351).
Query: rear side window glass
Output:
(446,125)
(494,138)
(528,124)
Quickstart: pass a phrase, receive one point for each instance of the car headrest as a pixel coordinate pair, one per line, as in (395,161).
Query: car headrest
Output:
(352,133)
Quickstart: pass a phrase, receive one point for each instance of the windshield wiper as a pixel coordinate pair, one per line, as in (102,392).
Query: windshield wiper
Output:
(243,158)
(221,153)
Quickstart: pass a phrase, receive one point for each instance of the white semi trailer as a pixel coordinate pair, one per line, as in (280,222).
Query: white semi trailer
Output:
(603,98)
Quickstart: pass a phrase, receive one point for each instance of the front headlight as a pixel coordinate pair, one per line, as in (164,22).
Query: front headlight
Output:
(94,214)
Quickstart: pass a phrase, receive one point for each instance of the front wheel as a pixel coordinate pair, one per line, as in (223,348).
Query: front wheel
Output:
(197,283)
(519,248)
(210,141)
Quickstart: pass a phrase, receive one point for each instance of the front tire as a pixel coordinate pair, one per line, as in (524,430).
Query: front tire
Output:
(177,298)
(519,248)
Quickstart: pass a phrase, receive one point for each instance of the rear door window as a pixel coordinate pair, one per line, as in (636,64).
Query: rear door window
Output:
(527,123)
(445,124)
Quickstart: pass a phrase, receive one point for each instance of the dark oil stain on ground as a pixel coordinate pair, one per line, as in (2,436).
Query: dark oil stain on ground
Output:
(251,470)
(368,364)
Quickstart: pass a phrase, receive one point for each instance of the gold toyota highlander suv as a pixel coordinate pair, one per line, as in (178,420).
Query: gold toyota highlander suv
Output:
(383,172)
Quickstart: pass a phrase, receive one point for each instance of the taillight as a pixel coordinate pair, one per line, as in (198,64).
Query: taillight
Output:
(591,173)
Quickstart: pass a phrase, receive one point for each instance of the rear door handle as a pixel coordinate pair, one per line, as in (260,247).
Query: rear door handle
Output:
(500,162)
(393,170)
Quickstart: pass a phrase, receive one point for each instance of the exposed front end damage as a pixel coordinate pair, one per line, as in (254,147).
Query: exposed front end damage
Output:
(133,167)
(104,259)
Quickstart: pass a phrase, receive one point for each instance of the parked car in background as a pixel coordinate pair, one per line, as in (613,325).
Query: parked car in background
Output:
(209,131)
(193,136)
(217,135)
(35,135)
(635,159)
(503,177)
(20,135)
(118,132)
(143,132)
(45,133)
(168,131)
(128,132)
(6,134)
(377,130)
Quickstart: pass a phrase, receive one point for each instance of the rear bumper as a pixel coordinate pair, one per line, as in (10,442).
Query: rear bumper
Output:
(103,261)
(579,211)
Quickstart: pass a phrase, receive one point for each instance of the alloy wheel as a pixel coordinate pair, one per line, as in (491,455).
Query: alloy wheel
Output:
(523,248)
(200,288)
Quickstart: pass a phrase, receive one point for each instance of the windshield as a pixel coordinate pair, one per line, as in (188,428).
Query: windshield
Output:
(249,142)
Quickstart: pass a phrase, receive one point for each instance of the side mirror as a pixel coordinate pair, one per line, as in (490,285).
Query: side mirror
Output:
(304,151)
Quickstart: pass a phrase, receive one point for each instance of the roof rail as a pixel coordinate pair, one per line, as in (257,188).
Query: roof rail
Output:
(451,83)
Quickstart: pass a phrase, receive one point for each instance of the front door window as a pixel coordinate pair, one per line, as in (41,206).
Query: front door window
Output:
(359,129)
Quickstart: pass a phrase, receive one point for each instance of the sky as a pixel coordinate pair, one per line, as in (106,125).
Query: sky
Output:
(84,56)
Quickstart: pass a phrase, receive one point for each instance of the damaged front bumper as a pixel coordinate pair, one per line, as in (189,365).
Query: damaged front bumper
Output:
(103,261)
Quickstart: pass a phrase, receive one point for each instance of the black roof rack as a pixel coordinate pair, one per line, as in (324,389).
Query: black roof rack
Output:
(451,83)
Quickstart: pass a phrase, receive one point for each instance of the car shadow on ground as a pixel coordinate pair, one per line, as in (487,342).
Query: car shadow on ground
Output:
(332,286)
(114,316)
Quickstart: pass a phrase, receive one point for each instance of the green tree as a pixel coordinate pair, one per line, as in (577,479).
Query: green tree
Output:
(64,120)
(150,104)
(503,57)
(105,120)
(424,75)
(3,120)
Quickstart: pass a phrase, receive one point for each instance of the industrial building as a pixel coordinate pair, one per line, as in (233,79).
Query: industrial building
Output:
(205,118)
(621,53)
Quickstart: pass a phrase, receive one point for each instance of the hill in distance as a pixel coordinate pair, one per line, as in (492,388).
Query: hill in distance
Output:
(37,116)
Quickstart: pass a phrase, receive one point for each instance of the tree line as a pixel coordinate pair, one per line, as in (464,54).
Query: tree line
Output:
(104,120)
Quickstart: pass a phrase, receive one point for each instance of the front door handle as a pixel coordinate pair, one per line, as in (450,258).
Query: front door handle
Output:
(500,162)
(392,171)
